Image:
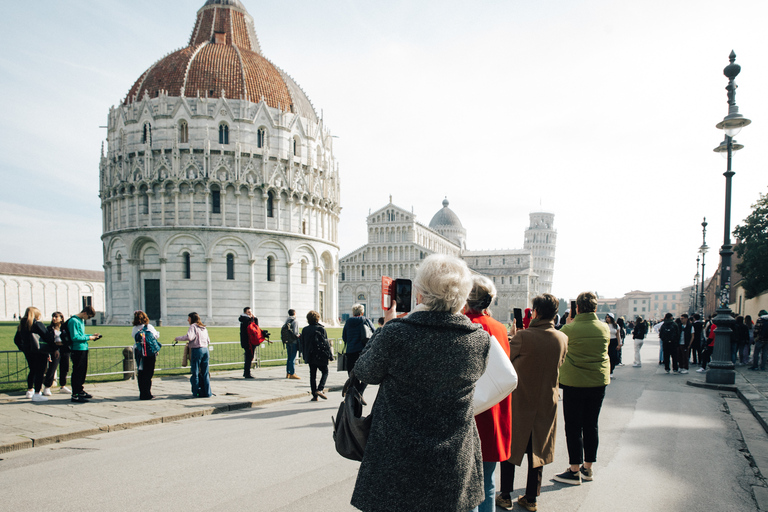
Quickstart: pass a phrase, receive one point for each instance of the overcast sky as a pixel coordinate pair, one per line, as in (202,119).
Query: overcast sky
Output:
(600,111)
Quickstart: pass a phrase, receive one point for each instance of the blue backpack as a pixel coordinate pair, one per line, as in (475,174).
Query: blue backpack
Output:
(146,343)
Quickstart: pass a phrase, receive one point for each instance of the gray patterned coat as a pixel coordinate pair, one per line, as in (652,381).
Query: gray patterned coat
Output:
(423,452)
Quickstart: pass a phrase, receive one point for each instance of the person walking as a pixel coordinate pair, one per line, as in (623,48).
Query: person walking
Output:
(246,319)
(760,332)
(289,334)
(638,334)
(751,330)
(146,358)
(37,357)
(686,339)
(537,354)
(356,333)
(494,425)
(79,353)
(741,337)
(622,336)
(317,352)
(423,450)
(669,334)
(584,375)
(615,341)
(697,344)
(197,336)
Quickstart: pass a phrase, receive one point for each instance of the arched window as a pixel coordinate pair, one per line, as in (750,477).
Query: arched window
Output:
(223,133)
(230,267)
(261,136)
(187,266)
(215,201)
(145,203)
(270,268)
(119,267)
(146,135)
(304,271)
(183,131)
(296,147)
(270,205)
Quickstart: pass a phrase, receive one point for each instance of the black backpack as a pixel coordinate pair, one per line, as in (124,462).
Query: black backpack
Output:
(668,331)
(286,334)
(66,339)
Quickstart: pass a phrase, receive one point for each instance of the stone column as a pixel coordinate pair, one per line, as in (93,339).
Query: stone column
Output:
(237,209)
(162,207)
(290,214)
(107,291)
(207,207)
(134,287)
(276,206)
(223,205)
(163,291)
(176,207)
(149,207)
(191,206)
(289,282)
(136,209)
(209,288)
(333,295)
(252,270)
(250,197)
(264,198)
(317,290)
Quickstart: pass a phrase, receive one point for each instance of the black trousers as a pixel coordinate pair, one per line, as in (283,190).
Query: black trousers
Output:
(52,366)
(670,350)
(695,351)
(248,357)
(581,410)
(613,352)
(36,362)
(144,377)
(79,370)
(532,483)
(313,377)
(706,354)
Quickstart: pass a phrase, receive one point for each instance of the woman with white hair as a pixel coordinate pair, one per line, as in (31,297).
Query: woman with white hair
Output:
(423,451)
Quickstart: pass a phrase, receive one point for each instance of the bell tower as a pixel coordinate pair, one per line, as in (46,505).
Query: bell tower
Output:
(541,240)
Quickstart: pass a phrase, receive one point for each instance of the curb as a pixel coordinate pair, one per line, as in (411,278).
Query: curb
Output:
(754,401)
(44,439)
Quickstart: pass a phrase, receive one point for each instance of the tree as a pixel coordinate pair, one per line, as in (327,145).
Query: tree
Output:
(753,248)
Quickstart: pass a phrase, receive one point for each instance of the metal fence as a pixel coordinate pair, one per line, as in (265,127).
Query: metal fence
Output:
(119,360)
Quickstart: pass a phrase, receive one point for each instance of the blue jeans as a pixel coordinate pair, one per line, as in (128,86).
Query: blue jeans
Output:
(292,349)
(200,379)
(489,505)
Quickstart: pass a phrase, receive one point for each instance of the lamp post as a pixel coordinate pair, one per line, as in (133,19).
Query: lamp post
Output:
(721,369)
(696,287)
(703,251)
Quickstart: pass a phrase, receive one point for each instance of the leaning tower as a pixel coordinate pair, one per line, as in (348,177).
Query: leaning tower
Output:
(541,239)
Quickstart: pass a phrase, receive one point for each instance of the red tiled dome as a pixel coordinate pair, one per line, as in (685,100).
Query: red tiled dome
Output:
(223,55)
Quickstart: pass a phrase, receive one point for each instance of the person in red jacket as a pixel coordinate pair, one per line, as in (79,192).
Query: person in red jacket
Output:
(495,424)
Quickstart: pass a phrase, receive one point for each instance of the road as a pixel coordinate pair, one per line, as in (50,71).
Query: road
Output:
(663,446)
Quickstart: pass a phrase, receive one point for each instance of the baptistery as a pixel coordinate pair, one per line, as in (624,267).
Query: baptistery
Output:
(219,188)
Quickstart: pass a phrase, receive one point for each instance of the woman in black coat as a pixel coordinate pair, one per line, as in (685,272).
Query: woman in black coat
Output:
(423,451)
(317,352)
(37,360)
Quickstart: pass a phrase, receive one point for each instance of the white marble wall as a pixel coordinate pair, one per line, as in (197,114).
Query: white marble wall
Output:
(48,295)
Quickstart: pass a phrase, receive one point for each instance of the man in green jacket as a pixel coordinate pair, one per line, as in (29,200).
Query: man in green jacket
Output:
(76,328)
(583,378)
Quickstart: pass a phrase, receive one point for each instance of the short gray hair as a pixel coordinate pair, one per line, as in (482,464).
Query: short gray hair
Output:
(482,294)
(358,310)
(443,282)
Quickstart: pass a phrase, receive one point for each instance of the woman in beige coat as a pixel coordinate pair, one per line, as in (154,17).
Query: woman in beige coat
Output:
(536,353)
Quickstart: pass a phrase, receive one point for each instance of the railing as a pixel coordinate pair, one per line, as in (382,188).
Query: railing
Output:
(105,361)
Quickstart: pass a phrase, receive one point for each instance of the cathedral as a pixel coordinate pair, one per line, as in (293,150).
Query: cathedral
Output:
(397,243)
(219,188)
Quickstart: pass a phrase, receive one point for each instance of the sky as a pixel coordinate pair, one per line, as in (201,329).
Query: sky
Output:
(602,112)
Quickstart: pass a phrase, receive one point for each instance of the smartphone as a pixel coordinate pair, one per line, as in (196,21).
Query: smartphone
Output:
(403,292)
(518,318)
(399,290)
(573,309)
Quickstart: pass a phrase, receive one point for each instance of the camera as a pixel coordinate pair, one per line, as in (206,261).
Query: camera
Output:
(265,333)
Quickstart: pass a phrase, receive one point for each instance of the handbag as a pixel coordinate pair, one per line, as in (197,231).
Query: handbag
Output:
(350,428)
(341,362)
(498,381)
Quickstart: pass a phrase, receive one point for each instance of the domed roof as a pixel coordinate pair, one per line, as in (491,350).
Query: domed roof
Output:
(445,218)
(223,57)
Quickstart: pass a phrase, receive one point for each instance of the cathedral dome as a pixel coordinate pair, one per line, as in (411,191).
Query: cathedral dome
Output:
(445,217)
(223,58)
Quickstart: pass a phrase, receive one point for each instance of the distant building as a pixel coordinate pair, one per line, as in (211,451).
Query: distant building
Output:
(634,304)
(397,243)
(49,289)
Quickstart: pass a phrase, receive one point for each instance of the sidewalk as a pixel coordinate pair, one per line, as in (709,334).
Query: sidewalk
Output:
(116,405)
(750,386)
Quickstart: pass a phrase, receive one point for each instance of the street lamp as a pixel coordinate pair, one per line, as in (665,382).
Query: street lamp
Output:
(703,251)
(721,369)
(696,286)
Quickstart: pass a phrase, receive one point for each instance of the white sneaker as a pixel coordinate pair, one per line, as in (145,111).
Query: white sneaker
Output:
(636,365)
(38,397)
(683,371)
(30,393)
(47,392)
(65,389)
